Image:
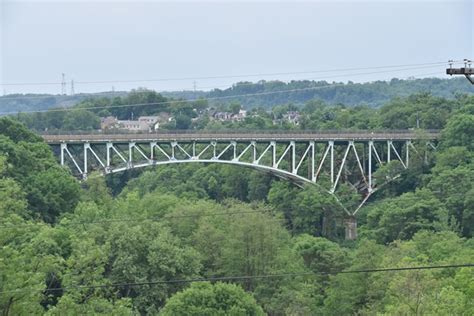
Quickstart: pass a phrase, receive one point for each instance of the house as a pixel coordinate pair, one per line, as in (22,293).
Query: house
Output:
(228,116)
(109,122)
(239,116)
(135,126)
(292,117)
(153,122)
(222,116)
(144,123)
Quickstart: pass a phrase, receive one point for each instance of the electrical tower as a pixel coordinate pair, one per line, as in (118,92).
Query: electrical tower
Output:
(467,70)
(72,87)
(63,84)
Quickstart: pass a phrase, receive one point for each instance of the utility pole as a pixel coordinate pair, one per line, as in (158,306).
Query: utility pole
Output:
(467,70)
(63,84)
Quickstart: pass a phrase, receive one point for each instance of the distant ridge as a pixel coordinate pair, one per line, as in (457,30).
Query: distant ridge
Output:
(373,94)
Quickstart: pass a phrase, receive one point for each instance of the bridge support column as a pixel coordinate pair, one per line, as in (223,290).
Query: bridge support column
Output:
(407,157)
(350,224)
(84,174)
(331,146)
(63,148)
(371,144)
(389,150)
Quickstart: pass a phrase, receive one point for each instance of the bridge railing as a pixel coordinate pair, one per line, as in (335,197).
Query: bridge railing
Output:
(238,131)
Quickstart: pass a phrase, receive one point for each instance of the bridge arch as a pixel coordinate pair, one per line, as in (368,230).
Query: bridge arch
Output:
(295,178)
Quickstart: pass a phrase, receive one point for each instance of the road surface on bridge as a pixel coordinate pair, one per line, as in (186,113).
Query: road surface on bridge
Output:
(242,136)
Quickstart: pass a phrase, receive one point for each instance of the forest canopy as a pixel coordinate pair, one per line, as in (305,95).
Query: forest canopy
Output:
(134,243)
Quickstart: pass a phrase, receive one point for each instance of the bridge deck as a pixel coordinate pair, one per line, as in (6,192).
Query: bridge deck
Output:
(243,136)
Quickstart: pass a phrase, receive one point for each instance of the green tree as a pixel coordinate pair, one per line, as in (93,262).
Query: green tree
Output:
(212,299)
(401,217)
(81,119)
(51,193)
(459,131)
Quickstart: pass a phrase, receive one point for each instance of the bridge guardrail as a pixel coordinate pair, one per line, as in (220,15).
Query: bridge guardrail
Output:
(236,131)
(239,136)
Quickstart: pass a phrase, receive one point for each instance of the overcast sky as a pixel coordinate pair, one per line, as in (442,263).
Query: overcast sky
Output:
(129,40)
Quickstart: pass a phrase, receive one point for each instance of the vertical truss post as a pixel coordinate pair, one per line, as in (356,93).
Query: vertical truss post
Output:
(254,151)
(173,146)
(234,144)
(311,143)
(214,144)
(152,150)
(194,150)
(108,147)
(85,161)
(363,157)
(293,157)
(331,146)
(130,153)
(371,143)
(389,149)
(407,153)
(273,143)
(63,147)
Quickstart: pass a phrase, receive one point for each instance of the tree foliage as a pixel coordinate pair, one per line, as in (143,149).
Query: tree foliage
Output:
(108,246)
(212,299)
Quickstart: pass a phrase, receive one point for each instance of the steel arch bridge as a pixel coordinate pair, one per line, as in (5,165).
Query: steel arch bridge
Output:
(322,158)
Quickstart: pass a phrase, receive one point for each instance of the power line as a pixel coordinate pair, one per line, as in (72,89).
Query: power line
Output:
(230,76)
(239,278)
(345,75)
(59,96)
(265,74)
(181,101)
(242,84)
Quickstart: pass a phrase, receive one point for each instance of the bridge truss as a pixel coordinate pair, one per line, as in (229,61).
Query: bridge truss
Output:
(324,159)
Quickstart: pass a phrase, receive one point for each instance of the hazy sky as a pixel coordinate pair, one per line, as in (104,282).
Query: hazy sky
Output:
(130,40)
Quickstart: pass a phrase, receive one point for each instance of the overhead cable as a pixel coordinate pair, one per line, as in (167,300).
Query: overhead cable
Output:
(180,101)
(239,278)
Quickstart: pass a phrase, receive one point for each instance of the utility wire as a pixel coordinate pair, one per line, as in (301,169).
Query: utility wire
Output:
(345,75)
(228,76)
(77,95)
(180,101)
(239,278)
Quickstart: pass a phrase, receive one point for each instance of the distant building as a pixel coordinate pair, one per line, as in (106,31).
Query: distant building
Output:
(144,123)
(151,121)
(134,125)
(292,117)
(240,116)
(222,116)
(228,116)
(109,122)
